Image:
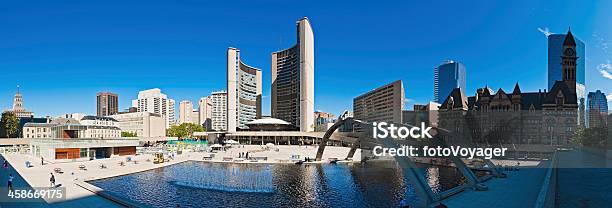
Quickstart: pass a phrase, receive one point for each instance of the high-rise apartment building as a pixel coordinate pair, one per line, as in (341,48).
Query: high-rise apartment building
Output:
(205,108)
(219,111)
(185,112)
(597,109)
(293,80)
(555,70)
(107,103)
(243,92)
(381,104)
(448,76)
(154,101)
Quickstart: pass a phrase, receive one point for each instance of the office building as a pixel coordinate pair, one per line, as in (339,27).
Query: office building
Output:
(323,120)
(293,80)
(385,103)
(219,111)
(143,124)
(153,101)
(107,104)
(555,70)
(597,110)
(243,92)
(85,127)
(18,109)
(448,76)
(427,114)
(186,112)
(205,109)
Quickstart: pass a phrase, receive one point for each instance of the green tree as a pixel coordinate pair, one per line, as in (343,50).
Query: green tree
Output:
(596,137)
(128,134)
(184,130)
(9,124)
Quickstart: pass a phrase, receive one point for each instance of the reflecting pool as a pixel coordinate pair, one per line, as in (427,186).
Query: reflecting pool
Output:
(204,184)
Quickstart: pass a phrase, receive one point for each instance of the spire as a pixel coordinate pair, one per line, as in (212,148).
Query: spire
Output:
(17,89)
(517,89)
(569,39)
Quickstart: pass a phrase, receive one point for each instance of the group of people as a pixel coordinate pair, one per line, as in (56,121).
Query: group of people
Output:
(243,155)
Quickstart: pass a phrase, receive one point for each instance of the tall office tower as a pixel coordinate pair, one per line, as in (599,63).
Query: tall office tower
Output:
(185,112)
(555,70)
(219,111)
(18,108)
(597,109)
(448,76)
(243,92)
(205,108)
(293,80)
(385,103)
(154,101)
(107,103)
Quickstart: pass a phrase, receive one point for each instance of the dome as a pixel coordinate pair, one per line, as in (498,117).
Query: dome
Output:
(268,121)
(270,124)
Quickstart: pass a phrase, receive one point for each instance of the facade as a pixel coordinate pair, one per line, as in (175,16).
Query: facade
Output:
(422,113)
(448,76)
(243,92)
(381,104)
(293,80)
(185,112)
(205,108)
(66,150)
(548,118)
(107,104)
(597,110)
(86,127)
(555,70)
(153,101)
(144,124)
(323,120)
(37,130)
(219,111)
(18,108)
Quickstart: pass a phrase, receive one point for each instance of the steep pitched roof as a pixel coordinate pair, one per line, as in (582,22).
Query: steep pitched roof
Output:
(569,39)
(560,86)
(459,100)
(517,89)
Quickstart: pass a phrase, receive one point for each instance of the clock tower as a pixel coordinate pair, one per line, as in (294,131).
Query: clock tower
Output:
(568,61)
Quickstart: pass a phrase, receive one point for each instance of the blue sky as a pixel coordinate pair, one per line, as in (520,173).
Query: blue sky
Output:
(63,52)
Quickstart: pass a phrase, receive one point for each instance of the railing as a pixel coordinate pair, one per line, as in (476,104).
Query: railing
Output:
(548,192)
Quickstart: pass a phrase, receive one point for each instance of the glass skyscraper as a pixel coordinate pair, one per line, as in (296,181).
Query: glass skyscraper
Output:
(448,76)
(555,73)
(597,109)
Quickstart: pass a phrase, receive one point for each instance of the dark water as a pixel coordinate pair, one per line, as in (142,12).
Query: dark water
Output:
(201,184)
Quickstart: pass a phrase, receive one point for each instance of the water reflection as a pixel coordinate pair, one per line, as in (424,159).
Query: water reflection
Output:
(200,184)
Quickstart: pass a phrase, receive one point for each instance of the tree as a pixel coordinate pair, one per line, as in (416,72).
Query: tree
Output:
(128,134)
(185,130)
(595,137)
(9,124)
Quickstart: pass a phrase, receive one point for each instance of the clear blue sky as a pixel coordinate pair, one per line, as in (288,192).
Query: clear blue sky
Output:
(63,52)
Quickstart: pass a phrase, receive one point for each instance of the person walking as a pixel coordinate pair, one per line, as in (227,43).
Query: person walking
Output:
(10,182)
(42,161)
(52,180)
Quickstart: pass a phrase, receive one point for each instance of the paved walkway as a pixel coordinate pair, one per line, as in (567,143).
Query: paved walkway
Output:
(584,180)
(519,189)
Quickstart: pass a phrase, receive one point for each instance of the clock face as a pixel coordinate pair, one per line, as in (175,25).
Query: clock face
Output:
(569,52)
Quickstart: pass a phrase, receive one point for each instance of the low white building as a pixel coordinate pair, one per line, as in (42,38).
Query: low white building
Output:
(37,130)
(144,124)
(86,127)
